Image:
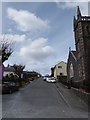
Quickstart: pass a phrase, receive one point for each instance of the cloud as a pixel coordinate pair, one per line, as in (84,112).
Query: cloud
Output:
(71,0)
(12,38)
(44,69)
(68,4)
(36,52)
(10,30)
(37,55)
(42,1)
(27,21)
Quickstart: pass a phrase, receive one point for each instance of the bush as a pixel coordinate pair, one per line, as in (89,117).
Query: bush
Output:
(12,78)
(62,79)
(6,78)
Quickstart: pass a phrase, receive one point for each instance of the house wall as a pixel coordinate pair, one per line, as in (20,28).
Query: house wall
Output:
(55,73)
(59,70)
(7,73)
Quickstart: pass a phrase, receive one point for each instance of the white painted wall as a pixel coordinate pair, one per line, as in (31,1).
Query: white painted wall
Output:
(62,70)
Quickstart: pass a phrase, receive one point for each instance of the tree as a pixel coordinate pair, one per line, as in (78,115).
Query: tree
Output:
(6,50)
(19,69)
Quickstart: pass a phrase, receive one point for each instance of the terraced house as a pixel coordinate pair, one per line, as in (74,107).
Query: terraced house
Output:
(78,65)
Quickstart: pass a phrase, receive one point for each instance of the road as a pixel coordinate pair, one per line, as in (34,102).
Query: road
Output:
(43,100)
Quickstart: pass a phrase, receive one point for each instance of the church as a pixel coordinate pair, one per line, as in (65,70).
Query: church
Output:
(78,63)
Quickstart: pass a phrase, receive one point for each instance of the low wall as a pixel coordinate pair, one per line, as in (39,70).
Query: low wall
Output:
(83,95)
(80,93)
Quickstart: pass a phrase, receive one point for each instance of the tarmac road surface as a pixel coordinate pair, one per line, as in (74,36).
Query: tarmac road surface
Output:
(43,100)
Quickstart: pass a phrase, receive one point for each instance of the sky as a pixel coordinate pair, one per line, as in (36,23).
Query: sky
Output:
(41,32)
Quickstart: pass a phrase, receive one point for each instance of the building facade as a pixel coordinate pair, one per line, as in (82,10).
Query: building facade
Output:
(60,69)
(81,26)
(72,72)
(8,70)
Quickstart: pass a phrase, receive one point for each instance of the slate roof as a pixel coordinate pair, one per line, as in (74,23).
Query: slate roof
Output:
(74,54)
(9,69)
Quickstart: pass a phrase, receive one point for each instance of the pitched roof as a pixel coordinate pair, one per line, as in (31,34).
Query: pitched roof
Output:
(9,69)
(78,11)
(74,54)
(61,62)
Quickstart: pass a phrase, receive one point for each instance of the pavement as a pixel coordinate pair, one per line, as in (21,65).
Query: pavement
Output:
(43,100)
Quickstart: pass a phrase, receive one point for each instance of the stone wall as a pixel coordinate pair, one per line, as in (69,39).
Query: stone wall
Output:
(83,95)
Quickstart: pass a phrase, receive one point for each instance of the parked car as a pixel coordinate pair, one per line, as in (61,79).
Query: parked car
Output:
(51,80)
(9,87)
(44,78)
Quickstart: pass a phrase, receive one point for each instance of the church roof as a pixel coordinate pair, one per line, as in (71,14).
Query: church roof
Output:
(74,54)
(78,11)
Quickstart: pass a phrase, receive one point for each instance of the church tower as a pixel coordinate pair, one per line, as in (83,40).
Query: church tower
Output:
(82,42)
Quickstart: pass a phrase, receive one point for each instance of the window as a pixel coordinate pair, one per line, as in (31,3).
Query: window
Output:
(71,71)
(0,57)
(61,73)
(60,67)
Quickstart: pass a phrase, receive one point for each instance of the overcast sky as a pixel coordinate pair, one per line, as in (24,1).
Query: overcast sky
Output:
(42,32)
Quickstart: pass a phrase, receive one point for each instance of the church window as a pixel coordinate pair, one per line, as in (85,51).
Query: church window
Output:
(71,70)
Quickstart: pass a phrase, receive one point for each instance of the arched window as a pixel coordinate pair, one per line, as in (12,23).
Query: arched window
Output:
(71,71)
